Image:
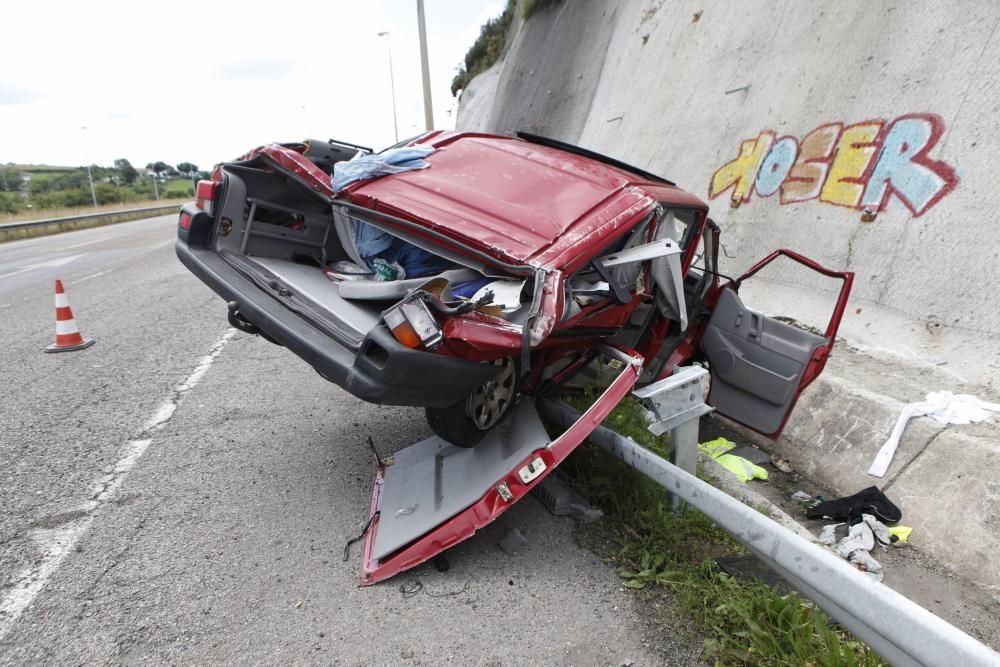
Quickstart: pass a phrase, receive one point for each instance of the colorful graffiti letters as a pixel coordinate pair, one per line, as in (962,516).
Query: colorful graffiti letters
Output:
(858,166)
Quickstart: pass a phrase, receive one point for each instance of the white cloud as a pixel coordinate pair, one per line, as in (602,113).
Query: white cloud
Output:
(204,82)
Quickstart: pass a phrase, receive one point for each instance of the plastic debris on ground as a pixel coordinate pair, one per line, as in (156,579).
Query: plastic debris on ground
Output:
(563,500)
(945,407)
(806,501)
(719,449)
(855,543)
(900,533)
(851,508)
(782,464)
(749,569)
(393,161)
(751,454)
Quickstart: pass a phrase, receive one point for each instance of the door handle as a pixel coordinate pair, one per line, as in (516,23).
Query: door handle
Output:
(756,326)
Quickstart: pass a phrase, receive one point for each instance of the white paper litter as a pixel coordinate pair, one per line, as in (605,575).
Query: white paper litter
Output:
(945,407)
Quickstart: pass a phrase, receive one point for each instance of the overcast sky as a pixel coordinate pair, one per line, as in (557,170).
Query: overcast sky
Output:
(204,82)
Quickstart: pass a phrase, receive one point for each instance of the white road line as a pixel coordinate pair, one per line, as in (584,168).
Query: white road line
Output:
(80,245)
(51,263)
(92,275)
(56,543)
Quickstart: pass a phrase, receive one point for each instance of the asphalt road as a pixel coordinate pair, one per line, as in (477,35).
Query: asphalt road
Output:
(182,493)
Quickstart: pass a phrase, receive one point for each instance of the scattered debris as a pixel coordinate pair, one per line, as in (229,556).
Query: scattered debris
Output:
(945,407)
(719,450)
(441,563)
(854,543)
(782,464)
(697,16)
(415,587)
(364,531)
(563,500)
(751,453)
(806,501)
(852,508)
(900,535)
(513,542)
(380,461)
(751,568)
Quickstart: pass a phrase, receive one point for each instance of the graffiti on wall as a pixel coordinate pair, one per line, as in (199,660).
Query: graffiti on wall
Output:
(859,166)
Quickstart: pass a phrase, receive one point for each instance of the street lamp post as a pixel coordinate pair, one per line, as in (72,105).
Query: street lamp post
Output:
(90,177)
(424,67)
(392,86)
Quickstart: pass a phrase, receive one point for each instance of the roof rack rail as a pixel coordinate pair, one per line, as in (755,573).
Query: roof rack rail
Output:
(570,148)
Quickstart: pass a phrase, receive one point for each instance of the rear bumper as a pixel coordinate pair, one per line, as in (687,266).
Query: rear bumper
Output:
(379,371)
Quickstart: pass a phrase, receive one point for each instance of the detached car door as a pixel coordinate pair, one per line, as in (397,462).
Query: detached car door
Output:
(760,365)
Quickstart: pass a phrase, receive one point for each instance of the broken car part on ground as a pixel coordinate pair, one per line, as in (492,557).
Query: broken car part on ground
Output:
(468,276)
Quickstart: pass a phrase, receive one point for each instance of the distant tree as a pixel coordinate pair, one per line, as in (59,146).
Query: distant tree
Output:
(70,180)
(187,168)
(159,166)
(10,203)
(126,171)
(10,179)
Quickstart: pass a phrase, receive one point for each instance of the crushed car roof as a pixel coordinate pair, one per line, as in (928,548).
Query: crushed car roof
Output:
(517,200)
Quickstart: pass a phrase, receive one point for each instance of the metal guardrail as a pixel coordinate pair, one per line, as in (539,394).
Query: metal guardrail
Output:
(900,630)
(89,216)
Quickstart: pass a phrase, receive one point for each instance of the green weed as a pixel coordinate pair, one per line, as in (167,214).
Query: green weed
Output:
(655,547)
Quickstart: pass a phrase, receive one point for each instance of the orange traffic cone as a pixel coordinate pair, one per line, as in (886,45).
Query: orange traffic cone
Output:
(68,337)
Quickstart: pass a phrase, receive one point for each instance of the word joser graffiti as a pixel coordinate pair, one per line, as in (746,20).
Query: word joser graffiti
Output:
(858,166)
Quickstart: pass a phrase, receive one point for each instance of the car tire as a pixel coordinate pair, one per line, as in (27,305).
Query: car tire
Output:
(467,422)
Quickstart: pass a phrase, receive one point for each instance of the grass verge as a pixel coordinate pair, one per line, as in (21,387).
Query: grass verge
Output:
(43,214)
(654,547)
(109,217)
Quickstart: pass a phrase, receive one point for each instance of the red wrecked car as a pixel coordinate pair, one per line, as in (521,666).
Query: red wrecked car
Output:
(479,272)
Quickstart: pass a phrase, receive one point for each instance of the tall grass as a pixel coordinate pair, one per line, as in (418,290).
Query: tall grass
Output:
(655,547)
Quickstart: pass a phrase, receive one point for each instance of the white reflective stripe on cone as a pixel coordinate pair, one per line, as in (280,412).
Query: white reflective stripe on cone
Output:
(67,327)
(61,300)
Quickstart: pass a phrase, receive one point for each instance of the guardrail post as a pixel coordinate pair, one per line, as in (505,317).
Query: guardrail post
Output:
(678,403)
(900,630)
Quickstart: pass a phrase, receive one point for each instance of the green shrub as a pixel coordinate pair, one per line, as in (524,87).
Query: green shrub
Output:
(10,202)
(656,548)
(176,191)
(486,50)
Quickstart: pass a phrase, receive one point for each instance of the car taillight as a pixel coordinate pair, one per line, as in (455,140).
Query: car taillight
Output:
(185,221)
(413,325)
(205,195)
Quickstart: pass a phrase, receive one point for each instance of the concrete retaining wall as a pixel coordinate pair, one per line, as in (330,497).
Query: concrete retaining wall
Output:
(889,106)
(791,119)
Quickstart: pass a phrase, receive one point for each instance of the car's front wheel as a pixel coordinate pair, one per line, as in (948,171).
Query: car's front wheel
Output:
(467,422)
